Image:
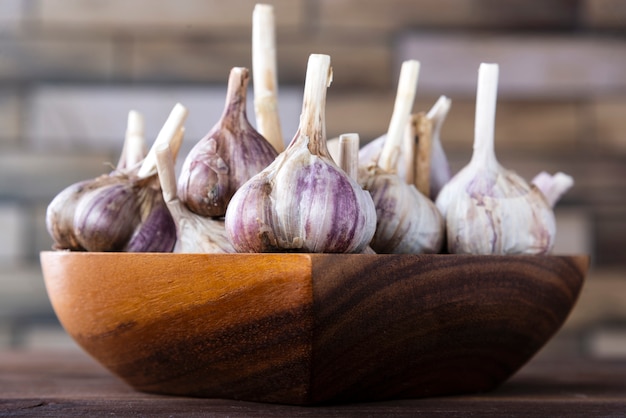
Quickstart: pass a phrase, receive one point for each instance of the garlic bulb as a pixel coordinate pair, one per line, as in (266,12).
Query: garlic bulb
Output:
(231,153)
(488,209)
(194,233)
(120,211)
(303,202)
(407,220)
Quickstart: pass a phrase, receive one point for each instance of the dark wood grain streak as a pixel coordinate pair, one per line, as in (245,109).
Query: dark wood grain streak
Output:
(312,328)
(457,325)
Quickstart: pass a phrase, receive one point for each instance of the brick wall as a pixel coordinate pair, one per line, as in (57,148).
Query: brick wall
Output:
(71,69)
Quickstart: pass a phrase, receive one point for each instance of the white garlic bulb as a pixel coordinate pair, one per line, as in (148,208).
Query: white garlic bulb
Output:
(407,220)
(489,209)
(303,202)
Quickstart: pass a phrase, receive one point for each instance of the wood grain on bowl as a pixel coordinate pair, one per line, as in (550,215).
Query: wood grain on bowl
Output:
(311,328)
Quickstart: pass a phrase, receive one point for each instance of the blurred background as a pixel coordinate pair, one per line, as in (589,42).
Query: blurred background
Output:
(70,70)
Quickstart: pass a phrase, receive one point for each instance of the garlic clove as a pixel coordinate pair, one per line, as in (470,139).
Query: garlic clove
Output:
(408,221)
(60,213)
(303,202)
(231,153)
(156,231)
(489,209)
(106,217)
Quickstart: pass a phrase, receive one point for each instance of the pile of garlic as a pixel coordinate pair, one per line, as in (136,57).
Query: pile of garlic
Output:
(241,190)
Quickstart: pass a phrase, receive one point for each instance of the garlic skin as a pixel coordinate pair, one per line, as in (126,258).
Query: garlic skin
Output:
(231,153)
(407,225)
(303,202)
(489,209)
(553,186)
(60,214)
(156,231)
(106,217)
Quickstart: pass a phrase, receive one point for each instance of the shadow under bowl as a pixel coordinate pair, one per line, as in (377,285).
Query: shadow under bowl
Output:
(311,328)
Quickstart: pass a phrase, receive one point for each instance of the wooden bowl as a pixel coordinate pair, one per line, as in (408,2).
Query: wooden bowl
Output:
(311,328)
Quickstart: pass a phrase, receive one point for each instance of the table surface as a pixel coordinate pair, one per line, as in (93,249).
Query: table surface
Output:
(69,383)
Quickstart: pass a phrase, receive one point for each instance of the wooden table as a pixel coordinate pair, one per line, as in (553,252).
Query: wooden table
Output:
(69,384)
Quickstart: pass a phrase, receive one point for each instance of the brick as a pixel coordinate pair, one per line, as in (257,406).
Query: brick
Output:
(74,59)
(12,225)
(40,239)
(604,14)
(189,16)
(574,231)
(602,299)
(9,116)
(530,66)
(390,15)
(607,342)
(367,114)
(356,63)
(23,293)
(40,176)
(199,61)
(11,15)
(65,119)
(607,123)
(530,126)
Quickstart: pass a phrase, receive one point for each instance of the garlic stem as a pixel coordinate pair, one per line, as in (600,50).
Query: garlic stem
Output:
(403,105)
(264,75)
(167,172)
(440,172)
(423,130)
(133,150)
(437,114)
(349,154)
(172,125)
(409,153)
(484,123)
(236,92)
(313,117)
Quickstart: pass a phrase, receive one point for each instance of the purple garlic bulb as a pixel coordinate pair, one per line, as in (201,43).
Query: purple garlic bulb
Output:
(231,153)
(303,202)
